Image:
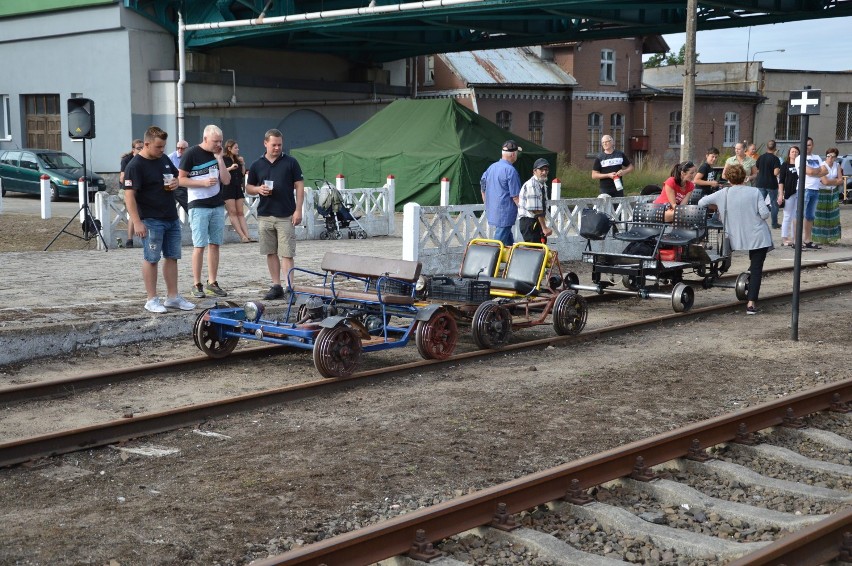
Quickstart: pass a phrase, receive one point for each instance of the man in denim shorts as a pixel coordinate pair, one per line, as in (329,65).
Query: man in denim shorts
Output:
(278,179)
(149,182)
(203,173)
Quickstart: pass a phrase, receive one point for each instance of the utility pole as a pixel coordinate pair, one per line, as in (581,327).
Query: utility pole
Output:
(687,114)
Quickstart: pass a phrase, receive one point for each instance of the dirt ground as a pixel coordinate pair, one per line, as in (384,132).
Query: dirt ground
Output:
(26,232)
(291,474)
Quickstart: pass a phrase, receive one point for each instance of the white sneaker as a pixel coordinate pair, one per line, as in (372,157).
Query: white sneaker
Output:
(178,303)
(154,305)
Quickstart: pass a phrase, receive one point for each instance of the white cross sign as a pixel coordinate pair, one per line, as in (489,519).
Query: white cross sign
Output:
(805,102)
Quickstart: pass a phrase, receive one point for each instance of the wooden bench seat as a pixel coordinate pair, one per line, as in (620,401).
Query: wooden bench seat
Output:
(370,271)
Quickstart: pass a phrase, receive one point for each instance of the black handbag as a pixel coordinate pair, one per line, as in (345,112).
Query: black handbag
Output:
(594,225)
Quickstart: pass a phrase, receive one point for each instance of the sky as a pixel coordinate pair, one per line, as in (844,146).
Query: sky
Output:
(813,45)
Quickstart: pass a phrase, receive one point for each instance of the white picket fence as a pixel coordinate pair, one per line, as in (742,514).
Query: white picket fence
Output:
(374,206)
(437,235)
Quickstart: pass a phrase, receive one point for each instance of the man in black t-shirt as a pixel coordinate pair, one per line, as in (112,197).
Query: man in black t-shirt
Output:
(203,173)
(768,168)
(610,166)
(706,178)
(278,179)
(149,180)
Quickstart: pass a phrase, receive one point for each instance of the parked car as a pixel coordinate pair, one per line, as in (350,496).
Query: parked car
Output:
(21,171)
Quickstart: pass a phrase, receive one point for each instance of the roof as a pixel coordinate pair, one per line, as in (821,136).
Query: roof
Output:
(515,66)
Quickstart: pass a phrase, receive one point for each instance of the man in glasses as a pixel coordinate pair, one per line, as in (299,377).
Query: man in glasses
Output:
(176,156)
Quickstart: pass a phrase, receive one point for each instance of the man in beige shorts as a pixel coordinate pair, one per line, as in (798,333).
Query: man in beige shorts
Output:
(277,178)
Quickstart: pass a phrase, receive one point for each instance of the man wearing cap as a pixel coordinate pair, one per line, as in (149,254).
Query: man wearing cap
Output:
(532,202)
(610,165)
(500,186)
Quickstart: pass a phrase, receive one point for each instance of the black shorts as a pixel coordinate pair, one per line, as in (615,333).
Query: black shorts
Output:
(531,230)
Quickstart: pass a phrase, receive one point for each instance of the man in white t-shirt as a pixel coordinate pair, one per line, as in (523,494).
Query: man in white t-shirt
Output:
(814,169)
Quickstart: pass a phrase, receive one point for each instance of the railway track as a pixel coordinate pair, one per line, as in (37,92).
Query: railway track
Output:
(535,518)
(135,426)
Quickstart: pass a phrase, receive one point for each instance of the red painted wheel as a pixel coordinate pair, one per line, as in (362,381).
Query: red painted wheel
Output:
(337,351)
(437,337)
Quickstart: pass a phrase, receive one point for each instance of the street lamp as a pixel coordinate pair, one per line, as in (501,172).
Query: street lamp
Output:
(769,51)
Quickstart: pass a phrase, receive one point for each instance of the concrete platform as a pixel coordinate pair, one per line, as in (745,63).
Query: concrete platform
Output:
(60,301)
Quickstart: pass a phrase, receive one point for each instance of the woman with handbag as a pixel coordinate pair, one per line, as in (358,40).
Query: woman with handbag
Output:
(788,183)
(744,213)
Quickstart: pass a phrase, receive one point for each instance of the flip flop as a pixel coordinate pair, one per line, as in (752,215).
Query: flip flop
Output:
(813,246)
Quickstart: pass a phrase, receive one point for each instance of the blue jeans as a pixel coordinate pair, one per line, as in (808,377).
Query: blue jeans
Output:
(208,226)
(505,235)
(773,203)
(811,198)
(162,239)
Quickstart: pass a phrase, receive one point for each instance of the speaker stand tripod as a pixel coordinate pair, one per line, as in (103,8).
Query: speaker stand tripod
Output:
(91,227)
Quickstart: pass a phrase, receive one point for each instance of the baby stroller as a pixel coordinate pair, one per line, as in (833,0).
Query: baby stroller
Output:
(333,209)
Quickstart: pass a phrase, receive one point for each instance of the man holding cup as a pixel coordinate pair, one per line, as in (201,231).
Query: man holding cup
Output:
(203,172)
(149,182)
(277,178)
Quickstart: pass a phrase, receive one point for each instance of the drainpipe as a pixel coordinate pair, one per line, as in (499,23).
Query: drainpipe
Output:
(234,83)
(181,76)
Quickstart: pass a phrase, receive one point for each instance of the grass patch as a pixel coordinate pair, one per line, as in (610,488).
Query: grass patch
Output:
(577,181)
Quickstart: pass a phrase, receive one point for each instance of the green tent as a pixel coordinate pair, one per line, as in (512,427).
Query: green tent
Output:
(419,142)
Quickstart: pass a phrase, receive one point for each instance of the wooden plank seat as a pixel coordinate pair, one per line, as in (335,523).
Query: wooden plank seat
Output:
(388,281)
(648,222)
(688,226)
(524,271)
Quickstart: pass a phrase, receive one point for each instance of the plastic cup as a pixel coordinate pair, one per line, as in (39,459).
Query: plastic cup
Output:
(167,180)
(268,184)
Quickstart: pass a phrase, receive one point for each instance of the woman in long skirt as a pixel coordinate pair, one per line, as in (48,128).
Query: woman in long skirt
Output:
(827,221)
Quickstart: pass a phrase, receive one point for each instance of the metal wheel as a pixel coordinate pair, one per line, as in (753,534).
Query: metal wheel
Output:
(436,338)
(741,287)
(491,326)
(336,235)
(569,313)
(361,235)
(207,338)
(629,282)
(571,278)
(337,351)
(682,297)
(324,235)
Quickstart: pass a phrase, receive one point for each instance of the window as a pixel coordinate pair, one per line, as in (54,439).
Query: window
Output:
(844,121)
(595,133)
(5,115)
(607,66)
(504,119)
(616,129)
(732,129)
(674,128)
(429,78)
(536,127)
(787,128)
(28,161)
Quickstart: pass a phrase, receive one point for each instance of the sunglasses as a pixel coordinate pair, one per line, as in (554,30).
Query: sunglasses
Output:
(831,155)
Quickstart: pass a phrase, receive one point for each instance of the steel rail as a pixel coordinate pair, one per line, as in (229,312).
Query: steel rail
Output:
(816,544)
(395,536)
(25,449)
(74,384)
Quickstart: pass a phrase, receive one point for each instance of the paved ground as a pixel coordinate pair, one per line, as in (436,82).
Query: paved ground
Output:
(59,301)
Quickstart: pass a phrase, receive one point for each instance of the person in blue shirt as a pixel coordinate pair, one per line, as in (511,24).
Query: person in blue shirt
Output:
(500,186)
